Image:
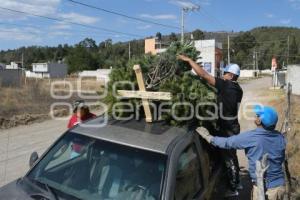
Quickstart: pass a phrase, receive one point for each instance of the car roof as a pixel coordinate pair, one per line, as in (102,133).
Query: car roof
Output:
(156,136)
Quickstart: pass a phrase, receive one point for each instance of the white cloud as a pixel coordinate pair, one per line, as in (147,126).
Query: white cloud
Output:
(24,34)
(295,4)
(285,21)
(39,7)
(159,17)
(144,27)
(61,26)
(78,18)
(60,33)
(185,3)
(270,15)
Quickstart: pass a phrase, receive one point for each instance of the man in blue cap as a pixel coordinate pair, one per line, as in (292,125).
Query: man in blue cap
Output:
(229,97)
(258,142)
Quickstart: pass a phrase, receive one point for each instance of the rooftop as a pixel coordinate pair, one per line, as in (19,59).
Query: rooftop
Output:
(155,136)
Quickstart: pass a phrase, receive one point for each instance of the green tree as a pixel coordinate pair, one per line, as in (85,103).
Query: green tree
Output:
(173,37)
(242,49)
(198,34)
(89,44)
(294,52)
(158,36)
(81,59)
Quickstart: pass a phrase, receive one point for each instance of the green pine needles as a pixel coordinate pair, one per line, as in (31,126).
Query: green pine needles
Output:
(192,99)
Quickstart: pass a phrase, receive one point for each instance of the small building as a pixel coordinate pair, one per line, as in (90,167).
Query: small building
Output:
(14,65)
(99,74)
(211,55)
(210,52)
(48,70)
(154,46)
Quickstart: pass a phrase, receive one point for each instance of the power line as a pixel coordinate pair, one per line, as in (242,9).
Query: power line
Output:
(214,19)
(122,15)
(74,23)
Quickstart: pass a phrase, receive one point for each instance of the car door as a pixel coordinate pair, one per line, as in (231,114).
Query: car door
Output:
(186,171)
(211,167)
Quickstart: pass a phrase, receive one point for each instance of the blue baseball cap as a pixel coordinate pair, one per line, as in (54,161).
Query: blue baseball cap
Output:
(268,115)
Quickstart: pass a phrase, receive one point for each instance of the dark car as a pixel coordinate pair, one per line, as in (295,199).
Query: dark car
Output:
(123,160)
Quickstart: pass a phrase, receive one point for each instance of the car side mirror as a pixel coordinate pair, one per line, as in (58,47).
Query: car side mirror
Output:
(33,158)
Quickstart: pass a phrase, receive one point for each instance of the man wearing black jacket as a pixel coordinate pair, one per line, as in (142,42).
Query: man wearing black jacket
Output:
(229,97)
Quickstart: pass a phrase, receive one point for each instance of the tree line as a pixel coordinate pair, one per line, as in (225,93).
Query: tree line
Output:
(267,42)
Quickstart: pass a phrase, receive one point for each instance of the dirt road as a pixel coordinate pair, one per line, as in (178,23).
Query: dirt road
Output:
(255,91)
(18,143)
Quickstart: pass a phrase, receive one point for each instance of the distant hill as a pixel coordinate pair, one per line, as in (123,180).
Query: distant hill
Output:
(266,41)
(270,41)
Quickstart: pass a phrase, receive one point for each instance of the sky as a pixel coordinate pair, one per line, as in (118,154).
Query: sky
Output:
(20,29)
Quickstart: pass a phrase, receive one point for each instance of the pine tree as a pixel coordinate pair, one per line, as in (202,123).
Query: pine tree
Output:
(171,76)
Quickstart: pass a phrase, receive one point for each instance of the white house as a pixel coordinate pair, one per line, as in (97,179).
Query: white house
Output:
(48,70)
(13,65)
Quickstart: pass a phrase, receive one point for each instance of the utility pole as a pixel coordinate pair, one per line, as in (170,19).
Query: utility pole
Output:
(22,60)
(228,49)
(183,11)
(182,25)
(288,51)
(129,51)
(254,59)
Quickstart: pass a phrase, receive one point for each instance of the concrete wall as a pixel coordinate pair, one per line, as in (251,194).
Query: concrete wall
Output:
(57,70)
(11,77)
(266,72)
(248,73)
(293,74)
(30,74)
(100,74)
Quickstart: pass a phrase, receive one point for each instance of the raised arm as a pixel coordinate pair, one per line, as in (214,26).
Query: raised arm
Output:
(240,141)
(198,69)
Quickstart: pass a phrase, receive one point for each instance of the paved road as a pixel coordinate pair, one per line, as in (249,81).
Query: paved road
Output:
(18,143)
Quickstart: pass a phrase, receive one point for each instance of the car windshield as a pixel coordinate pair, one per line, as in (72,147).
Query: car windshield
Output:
(88,168)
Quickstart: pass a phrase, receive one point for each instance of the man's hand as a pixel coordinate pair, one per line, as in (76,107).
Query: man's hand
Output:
(203,132)
(183,58)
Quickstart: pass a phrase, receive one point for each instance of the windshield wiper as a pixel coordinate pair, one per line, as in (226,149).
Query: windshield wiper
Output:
(50,191)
